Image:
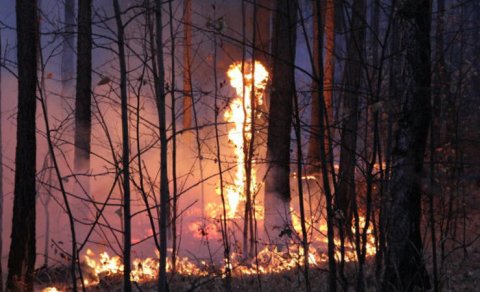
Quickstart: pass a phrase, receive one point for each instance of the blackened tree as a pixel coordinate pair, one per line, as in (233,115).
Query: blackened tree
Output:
(21,259)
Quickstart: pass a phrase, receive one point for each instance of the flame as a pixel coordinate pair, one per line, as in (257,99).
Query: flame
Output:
(51,289)
(143,270)
(240,114)
(268,261)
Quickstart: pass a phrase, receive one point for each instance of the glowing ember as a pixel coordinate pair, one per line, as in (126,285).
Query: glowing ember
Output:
(240,114)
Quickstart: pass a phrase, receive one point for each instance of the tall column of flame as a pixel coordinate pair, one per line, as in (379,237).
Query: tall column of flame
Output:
(240,114)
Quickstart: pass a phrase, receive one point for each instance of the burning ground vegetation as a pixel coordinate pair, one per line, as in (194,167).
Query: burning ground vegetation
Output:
(278,267)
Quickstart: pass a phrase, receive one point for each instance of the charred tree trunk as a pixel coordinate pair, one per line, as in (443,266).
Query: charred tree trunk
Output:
(353,76)
(160,101)
(127,241)
(21,259)
(83,113)
(405,267)
(277,183)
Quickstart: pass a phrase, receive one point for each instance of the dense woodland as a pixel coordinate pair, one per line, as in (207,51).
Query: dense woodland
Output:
(239,145)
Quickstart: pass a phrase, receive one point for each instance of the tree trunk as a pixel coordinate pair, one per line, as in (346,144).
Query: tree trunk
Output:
(83,113)
(313,157)
(277,184)
(405,267)
(353,76)
(160,100)
(1,170)
(187,62)
(127,245)
(329,57)
(21,259)
(174,209)
(263,31)
(68,54)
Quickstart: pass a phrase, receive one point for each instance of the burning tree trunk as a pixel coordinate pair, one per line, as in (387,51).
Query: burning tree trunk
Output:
(277,183)
(352,78)
(83,114)
(21,259)
(405,267)
(127,285)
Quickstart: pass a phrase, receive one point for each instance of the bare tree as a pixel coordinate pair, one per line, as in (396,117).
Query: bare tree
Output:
(160,95)
(187,64)
(313,156)
(263,31)
(353,76)
(83,113)
(21,259)
(68,54)
(127,245)
(405,267)
(277,182)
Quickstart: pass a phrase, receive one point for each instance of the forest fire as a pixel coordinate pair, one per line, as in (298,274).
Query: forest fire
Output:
(244,77)
(268,261)
(239,145)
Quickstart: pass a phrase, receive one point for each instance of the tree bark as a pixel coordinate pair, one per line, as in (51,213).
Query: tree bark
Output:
(127,240)
(21,259)
(353,76)
(263,31)
(313,157)
(405,267)
(1,169)
(68,54)
(329,57)
(277,183)
(160,101)
(187,62)
(83,113)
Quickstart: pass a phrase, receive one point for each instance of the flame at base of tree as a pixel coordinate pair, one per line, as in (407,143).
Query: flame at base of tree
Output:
(245,77)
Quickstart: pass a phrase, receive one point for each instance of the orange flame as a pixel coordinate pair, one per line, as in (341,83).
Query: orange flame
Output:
(240,114)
